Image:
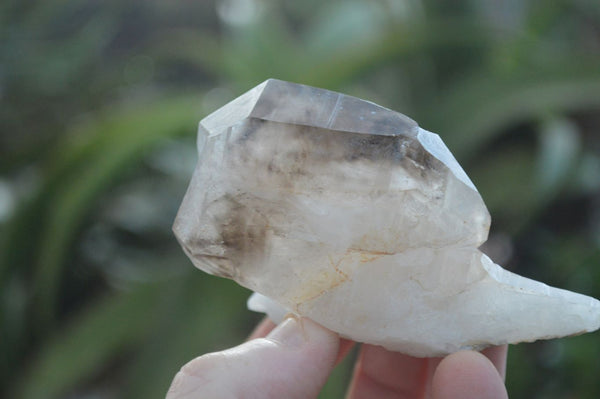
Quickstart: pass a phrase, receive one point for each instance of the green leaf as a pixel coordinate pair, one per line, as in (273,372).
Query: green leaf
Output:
(73,354)
(397,45)
(559,147)
(204,314)
(117,144)
(37,240)
(505,179)
(478,108)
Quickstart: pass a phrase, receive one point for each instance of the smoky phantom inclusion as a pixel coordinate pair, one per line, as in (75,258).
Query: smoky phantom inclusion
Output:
(340,210)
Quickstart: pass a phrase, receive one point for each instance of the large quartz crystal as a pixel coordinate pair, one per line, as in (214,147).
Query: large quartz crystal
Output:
(348,213)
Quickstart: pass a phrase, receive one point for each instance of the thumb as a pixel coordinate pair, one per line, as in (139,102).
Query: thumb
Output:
(293,361)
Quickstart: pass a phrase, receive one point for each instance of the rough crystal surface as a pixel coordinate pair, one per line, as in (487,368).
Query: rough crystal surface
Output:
(349,213)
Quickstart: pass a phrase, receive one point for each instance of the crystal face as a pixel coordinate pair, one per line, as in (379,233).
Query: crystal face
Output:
(349,213)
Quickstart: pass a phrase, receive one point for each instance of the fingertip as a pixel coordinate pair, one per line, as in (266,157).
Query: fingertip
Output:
(467,375)
(292,361)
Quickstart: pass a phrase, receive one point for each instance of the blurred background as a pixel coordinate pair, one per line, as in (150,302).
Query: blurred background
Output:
(100,102)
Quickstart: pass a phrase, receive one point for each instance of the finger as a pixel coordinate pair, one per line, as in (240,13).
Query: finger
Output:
(263,328)
(345,346)
(383,374)
(467,375)
(266,326)
(497,355)
(293,361)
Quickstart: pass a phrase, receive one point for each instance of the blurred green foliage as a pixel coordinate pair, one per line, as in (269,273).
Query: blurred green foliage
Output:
(99,103)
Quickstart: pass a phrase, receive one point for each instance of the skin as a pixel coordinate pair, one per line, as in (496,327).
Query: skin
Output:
(294,360)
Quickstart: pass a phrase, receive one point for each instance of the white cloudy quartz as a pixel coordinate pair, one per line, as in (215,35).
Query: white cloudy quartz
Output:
(346,212)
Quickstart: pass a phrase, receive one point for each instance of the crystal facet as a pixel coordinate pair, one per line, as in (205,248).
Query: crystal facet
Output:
(349,213)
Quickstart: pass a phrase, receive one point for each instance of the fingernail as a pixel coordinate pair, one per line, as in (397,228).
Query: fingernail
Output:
(290,333)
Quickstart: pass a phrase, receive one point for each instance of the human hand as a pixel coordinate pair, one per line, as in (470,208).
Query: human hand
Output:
(294,360)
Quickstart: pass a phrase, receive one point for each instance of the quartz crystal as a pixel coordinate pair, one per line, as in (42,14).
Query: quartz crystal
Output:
(337,209)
